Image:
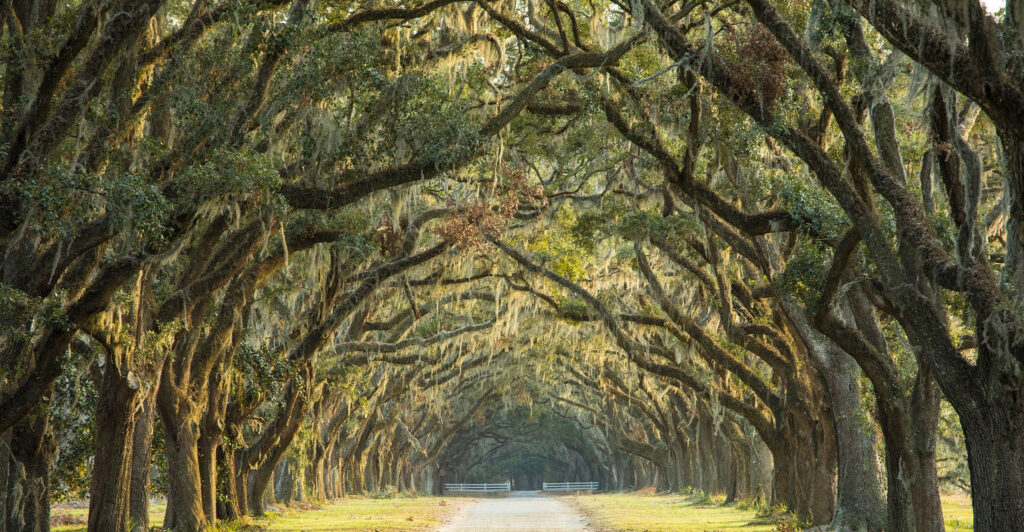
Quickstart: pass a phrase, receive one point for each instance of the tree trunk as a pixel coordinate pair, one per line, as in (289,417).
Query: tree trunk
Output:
(913,502)
(142,447)
(316,471)
(207,452)
(116,414)
(805,466)
(924,418)
(241,482)
(227,507)
(184,502)
(256,488)
(284,491)
(211,433)
(28,452)
(859,503)
(995,452)
(260,477)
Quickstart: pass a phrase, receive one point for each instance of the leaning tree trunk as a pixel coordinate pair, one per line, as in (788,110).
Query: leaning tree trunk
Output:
(116,414)
(260,477)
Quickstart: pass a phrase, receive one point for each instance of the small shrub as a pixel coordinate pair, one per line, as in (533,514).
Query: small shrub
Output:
(696,495)
(389,492)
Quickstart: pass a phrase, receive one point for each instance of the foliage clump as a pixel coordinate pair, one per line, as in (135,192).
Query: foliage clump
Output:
(469,224)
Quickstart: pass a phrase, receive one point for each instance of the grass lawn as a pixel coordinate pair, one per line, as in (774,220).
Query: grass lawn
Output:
(74,517)
(957,512)
(351,514)
(640,512)
(663,513)
(356,513)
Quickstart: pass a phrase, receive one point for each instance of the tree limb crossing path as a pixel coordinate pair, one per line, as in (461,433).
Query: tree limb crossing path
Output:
(521,511)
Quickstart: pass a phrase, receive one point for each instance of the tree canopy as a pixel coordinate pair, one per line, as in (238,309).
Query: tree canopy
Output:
(258,249)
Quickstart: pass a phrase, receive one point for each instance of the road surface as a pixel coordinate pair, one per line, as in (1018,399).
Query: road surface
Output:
(521,511)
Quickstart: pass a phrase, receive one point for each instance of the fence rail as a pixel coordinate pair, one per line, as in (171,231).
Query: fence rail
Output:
(570,486)
(478,488)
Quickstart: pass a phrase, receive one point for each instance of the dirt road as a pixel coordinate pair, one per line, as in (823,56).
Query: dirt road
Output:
(521,511)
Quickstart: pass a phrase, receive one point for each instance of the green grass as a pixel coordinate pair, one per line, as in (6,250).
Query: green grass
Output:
(352,514)
(633,512)
(77,518)
(957,512)
(663,513)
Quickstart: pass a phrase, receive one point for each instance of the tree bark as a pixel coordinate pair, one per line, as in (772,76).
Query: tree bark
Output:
(210,435)
(805,467)
(116,414)
(261,476)
(227,505)
(29,453)
(207,453)
(142,446)
(184,501)
(859,503)
(995,453)
(1013,268)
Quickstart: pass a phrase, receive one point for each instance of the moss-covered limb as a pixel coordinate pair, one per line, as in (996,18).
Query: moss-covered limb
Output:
(53,77)
(382,347)
(978,75)
(40,132)
(428,307)
(568,312)
(304,197)
(752,224)
(634,350)
(317,336)
(979,285)
(714,353)
(55,340)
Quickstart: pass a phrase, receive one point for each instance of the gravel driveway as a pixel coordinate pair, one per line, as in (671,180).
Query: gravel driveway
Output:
(521,511)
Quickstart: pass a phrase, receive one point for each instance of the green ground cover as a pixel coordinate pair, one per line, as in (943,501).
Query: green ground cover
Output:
(357,513)
(957,512)
(664,513)
(645,512)
(399,514)
(74,517)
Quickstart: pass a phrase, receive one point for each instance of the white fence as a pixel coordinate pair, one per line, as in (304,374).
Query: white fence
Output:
(477,488)
(570,486)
